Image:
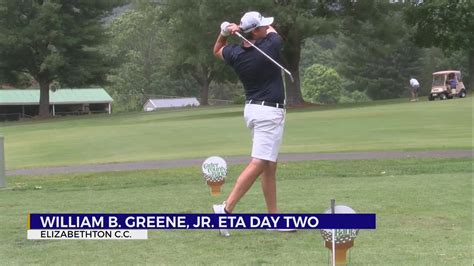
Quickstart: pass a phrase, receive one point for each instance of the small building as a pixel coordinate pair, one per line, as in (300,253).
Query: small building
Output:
(15,104)
(153,104)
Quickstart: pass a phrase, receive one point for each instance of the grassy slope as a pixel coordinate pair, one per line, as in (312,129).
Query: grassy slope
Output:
(392,125)
(423,208)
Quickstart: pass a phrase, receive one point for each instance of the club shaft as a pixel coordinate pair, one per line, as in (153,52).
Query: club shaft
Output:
(267,56)
(333,244)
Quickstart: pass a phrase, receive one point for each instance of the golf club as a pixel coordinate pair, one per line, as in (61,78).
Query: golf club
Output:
(267,56)
(333,231)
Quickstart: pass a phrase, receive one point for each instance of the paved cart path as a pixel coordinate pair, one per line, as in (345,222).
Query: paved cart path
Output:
(289,157)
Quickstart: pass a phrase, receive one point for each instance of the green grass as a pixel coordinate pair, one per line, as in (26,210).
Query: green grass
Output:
(423,207)
(201,132)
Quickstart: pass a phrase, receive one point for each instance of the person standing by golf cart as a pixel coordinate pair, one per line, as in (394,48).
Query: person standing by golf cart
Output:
(264,111)
(415,85)
(452,83)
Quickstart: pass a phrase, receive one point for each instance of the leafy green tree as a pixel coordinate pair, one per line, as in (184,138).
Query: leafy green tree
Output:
(319,50)
(192,31)
(136,42)
(376,54)
(53,40)
(322,84)
(297,21)
(446,24)
(195,25)
(139,48)
(379,57)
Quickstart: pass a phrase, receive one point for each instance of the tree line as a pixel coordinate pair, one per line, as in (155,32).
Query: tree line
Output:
(337,50)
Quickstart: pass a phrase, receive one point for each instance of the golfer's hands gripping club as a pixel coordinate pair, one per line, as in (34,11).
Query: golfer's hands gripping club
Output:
(229,28)
(234,29)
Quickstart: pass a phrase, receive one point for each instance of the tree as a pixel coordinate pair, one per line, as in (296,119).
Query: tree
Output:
(192,31)
(53,40)
(136,41)
(322,84)
(296,21)
(376,54)
(445,24)
(319,50)
(195,24)
(139,47)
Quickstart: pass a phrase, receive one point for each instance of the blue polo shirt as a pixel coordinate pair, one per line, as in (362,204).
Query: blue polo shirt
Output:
(261,78)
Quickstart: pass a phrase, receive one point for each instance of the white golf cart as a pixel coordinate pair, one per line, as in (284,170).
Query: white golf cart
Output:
(446,85)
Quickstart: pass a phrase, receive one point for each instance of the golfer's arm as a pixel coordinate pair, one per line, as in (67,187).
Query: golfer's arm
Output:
(221,42)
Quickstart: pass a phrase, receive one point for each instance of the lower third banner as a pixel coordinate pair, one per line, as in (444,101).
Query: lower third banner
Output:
(67,221)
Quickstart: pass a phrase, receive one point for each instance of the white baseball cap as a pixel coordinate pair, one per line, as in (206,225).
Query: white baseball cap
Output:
(252,20)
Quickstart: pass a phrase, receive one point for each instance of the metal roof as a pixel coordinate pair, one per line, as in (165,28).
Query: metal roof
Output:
(61,96)
(174,102)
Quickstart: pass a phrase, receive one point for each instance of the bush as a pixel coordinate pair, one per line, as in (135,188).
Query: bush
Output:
(321,84)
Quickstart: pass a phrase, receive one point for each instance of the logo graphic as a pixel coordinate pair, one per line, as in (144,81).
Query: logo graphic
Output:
(214,170)
(344,238)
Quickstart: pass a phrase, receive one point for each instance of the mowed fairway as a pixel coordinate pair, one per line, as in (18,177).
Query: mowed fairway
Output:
(197,133)
(423,205)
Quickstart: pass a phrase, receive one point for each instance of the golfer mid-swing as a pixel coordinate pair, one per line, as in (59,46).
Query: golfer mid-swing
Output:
(264,107)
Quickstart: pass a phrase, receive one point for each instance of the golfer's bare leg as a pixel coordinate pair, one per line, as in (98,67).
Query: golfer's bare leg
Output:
(244,182)
(268,182)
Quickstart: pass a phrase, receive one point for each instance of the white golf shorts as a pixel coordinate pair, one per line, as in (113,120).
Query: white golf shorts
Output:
(266,124)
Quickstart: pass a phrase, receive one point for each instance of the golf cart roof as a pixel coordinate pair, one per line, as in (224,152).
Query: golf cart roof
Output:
(446,72)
